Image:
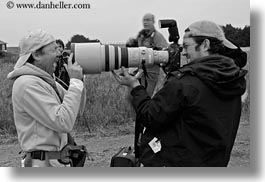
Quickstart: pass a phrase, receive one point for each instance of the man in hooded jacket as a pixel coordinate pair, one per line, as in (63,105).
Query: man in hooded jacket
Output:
(193,120)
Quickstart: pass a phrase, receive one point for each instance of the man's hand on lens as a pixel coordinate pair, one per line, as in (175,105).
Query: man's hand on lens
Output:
(74,70)
(126,79)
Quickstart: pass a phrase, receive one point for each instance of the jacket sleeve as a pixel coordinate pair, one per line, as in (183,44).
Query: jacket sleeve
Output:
(83,98)
(162,109)
(45,108)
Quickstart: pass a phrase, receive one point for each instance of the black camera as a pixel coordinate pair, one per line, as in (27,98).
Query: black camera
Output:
(64,56)
(60,72)
(174,49)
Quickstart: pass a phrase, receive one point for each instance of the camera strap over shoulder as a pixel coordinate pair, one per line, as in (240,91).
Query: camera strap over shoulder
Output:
(52,83)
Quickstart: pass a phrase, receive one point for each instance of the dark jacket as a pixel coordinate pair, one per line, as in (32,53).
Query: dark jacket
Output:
(195,115)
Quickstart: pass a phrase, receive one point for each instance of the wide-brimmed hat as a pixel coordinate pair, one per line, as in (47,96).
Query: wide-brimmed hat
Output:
(33,41)
(208,29)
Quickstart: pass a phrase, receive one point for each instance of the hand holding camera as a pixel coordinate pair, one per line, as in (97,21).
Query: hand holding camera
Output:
(74,70)
(124,78)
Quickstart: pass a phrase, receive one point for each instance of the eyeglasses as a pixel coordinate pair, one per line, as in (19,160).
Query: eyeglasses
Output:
(185,46)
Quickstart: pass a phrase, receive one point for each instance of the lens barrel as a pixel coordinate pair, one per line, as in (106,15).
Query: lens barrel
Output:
(96,57)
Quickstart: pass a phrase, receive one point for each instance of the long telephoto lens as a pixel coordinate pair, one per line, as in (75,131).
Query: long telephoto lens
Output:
(97,58)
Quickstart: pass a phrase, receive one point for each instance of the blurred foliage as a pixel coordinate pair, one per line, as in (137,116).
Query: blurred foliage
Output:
(240,37)
(6,111)
(79,39)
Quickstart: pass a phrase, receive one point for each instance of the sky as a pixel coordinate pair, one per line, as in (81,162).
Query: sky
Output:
(114,21)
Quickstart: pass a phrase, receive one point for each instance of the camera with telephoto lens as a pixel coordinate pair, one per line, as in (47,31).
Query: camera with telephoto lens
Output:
(95,57)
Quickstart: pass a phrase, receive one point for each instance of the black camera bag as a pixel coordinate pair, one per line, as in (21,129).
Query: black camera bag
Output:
(124,158)
(129,156)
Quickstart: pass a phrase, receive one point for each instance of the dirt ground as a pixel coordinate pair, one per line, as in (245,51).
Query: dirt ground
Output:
(102,148)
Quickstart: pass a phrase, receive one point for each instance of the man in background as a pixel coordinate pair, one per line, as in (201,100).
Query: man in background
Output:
(151,38)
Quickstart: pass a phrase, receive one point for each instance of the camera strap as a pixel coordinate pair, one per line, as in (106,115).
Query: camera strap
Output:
(145,74)
(61,82)
(138,127)
(52,83)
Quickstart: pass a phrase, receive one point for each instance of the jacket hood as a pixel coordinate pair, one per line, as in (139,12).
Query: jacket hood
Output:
(220,73)
(29,69)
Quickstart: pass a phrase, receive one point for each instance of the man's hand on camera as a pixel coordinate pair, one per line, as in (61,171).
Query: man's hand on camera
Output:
(126,79)
(74,70)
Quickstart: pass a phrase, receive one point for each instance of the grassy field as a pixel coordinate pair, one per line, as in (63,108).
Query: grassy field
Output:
(7,126)
(108,114)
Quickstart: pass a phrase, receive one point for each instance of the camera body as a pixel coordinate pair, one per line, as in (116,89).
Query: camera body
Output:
(64,56)
(60,72)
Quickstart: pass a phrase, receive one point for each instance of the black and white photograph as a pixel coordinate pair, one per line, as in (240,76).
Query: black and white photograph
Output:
(109,84)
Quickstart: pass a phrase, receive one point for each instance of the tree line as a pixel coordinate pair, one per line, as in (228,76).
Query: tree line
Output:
(238,36)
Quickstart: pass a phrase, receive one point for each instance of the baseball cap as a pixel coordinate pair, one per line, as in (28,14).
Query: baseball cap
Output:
(209,29)
(33,41)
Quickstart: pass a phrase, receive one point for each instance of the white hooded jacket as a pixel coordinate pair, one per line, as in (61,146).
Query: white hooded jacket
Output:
(42,120)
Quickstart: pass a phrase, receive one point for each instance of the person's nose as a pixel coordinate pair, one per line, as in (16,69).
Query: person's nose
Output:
(58,53)
(184,52)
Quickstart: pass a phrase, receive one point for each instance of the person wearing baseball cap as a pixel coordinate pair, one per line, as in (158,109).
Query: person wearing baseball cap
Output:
(193,120)
(210,29)
(44,112)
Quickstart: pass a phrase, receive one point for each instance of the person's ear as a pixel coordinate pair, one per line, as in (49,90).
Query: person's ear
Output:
(206,44)
(36,55)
